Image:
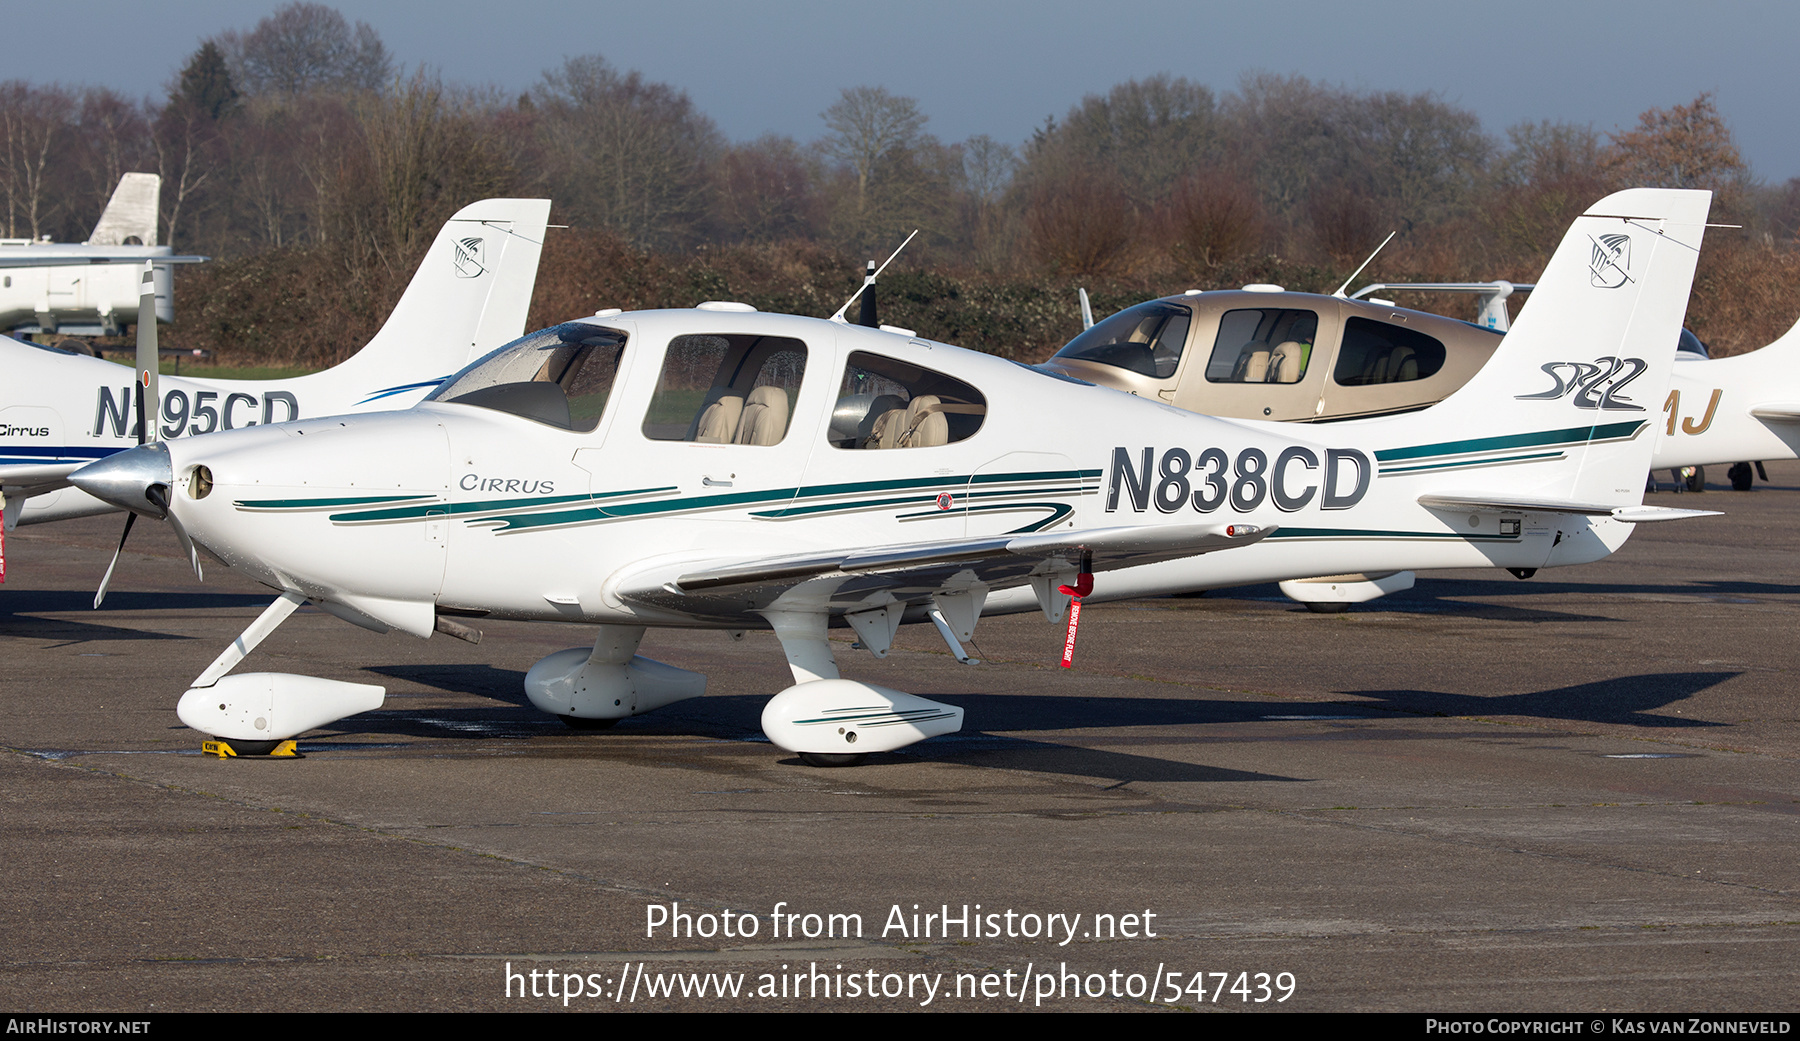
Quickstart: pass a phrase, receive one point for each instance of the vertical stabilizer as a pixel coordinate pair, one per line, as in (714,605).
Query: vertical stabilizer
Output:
(471,293)
(1587,363)
(130,217)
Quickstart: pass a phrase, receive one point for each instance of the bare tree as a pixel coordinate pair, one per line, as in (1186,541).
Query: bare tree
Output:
(424,153)
(628,154)
(869,126)
(766,191)
(988,167)
(1082,224)
(1688,146)
(33,123)
(1548,176)
(1216,218)
(1151,132)
(112,138)
(305,47)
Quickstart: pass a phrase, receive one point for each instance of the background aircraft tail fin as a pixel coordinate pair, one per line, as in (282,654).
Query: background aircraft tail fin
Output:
(1583,371)
(131,214)
(471,293)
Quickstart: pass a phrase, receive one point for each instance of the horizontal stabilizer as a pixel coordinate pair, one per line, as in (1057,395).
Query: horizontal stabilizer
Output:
(1780,413)
(83,256)
(1629,514)
(1652,514)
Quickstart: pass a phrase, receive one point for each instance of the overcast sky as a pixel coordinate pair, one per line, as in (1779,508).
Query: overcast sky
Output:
(999,68)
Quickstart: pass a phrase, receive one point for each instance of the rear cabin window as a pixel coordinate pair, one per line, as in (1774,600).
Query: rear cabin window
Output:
(885,403)
(726,390)
(1146,339)
(1263,345)
(1376,352)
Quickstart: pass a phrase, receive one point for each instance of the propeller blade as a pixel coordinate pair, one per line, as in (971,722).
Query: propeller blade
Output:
(106,579)
(158,494)
(193,554)
(148,360)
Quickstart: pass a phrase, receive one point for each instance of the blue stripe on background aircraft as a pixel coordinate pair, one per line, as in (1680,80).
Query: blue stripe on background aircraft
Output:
(718,468)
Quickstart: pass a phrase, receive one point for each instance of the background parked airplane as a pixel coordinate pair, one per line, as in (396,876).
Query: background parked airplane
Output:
(60,410)
(1265,353)
(91,289)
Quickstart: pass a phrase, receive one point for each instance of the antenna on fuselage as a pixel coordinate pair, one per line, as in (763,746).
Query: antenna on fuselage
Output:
(1087,310)
(869,280)
(1359,268)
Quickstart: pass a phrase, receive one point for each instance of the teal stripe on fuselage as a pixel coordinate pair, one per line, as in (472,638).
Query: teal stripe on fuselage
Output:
(316,504)
(1485,461)
(1571,435)
(586,512)
(836,491)
(487,505)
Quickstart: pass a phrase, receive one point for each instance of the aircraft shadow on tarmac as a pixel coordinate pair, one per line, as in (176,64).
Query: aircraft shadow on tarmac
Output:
(1462,597)
(1627,700)
(737,718)
(18,609)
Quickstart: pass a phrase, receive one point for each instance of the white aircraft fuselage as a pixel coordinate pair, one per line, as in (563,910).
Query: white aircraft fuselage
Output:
(720,468)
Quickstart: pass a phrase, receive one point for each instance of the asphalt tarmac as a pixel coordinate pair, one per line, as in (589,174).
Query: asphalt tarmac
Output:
(1578,792)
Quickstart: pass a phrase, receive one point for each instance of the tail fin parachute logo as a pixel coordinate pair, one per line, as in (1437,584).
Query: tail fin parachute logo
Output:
(469,259)
(1610,263)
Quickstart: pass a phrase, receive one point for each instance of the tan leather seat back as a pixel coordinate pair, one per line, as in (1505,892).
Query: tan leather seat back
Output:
(1284,363)
(888,429)
(765,417)
(926,426)
(719,423)
(1404,365)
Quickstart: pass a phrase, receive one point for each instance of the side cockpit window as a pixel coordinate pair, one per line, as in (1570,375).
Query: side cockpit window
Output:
(1376,352)
(561,377)
(1263,345)
(722,389)
(886,403)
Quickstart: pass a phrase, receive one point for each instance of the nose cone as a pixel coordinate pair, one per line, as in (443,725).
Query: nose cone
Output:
(137,479)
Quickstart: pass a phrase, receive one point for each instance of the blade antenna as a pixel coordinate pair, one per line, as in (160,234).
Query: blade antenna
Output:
(869,280)
(1359,270)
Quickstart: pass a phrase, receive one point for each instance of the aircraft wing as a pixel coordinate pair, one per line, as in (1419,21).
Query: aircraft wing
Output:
(28,259)
(1630,514)
(849,579)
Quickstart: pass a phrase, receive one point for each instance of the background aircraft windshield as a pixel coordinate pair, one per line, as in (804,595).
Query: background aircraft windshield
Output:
(1146,339)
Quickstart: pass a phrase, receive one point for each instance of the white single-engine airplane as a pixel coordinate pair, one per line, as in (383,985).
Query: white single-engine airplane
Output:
(60,410)
(724,469)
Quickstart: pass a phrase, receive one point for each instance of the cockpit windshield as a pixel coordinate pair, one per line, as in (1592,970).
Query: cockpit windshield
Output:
(560,376)
(1146,339)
